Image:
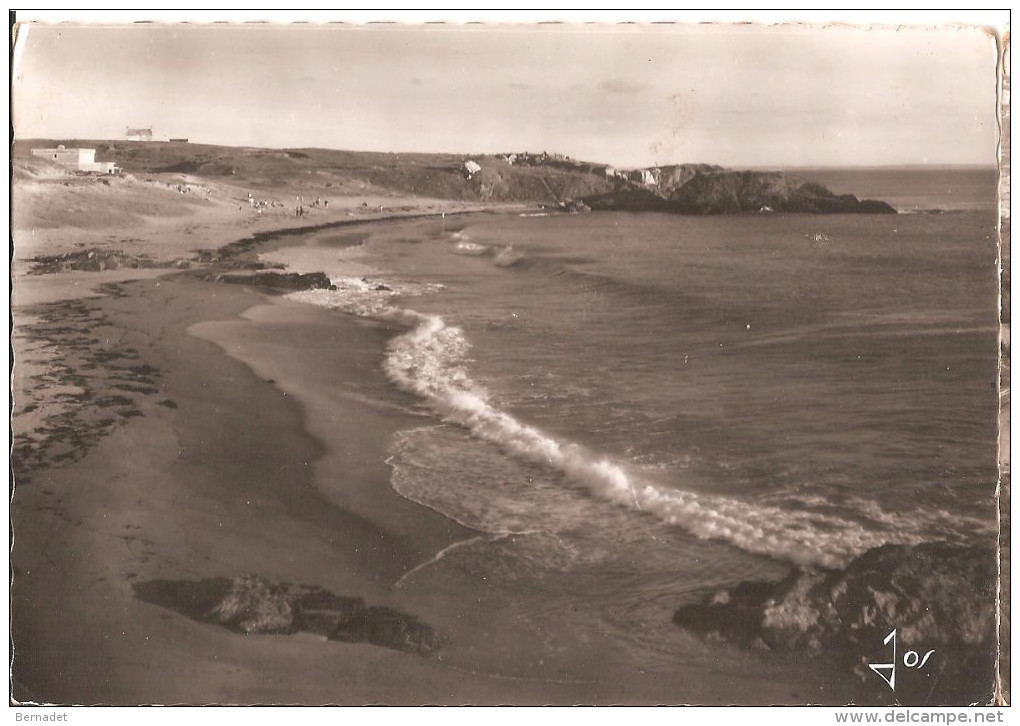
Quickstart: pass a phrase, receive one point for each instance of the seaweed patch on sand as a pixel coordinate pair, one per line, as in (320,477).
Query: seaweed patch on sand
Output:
(80,382)
(98,260)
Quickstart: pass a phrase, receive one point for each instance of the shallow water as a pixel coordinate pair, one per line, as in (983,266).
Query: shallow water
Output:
(636,409)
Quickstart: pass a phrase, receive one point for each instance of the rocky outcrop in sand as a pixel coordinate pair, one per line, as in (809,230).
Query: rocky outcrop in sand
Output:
(388,628)
(936,596)
(251,605)
(282,280)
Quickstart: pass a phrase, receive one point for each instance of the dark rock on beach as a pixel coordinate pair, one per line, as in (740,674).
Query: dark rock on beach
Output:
(242,604)
(936,596)
(324,613)
(388,628)
(251,605)
(283,280)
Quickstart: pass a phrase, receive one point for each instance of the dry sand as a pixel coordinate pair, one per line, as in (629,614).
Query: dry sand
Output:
(54,213)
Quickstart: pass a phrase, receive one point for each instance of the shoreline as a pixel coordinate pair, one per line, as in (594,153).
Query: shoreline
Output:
(191,424)
(222,467)
(218,485)
(208,471)
(217,229)
(352,426)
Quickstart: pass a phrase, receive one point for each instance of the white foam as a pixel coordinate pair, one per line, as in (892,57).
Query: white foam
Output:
(429,361)
(506,256)
(471,249)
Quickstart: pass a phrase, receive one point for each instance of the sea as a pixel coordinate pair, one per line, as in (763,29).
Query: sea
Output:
(634,410)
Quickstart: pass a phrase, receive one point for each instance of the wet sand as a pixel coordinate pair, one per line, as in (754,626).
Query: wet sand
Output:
(219,484)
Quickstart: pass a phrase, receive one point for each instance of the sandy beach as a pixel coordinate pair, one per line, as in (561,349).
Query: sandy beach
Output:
(226,470)
(146,452)
(165,431)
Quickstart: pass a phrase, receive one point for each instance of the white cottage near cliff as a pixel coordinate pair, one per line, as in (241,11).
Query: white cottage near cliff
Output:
(77,159)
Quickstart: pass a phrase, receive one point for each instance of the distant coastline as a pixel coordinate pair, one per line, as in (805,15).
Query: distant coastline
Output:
(522,177)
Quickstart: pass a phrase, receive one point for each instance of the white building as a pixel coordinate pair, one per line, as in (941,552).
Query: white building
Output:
(77,159)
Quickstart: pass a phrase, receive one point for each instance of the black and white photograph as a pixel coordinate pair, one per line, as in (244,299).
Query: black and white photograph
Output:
(509,363)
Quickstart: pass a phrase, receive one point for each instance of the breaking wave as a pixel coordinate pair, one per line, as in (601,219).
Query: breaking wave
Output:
(429,360)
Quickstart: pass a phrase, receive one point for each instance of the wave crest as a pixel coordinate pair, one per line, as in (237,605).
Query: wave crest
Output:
(429,361)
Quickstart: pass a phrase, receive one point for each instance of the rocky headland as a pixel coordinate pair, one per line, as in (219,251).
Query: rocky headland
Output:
(725,192)
(701,189)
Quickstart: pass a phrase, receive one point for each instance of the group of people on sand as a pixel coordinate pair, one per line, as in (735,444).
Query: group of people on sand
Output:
(259,204)
(299,210)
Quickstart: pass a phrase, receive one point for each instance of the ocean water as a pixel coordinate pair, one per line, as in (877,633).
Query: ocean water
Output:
(635,409)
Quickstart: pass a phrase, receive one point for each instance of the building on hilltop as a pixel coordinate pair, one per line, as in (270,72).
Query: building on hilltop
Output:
(77,159)
(138,134)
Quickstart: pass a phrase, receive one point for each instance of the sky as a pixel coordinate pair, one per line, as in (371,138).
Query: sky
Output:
(629,95)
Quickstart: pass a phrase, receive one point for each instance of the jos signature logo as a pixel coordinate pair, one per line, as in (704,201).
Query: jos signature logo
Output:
(911,659)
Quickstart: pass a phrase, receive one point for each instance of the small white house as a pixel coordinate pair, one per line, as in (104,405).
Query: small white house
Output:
(138,134)
(77,159)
